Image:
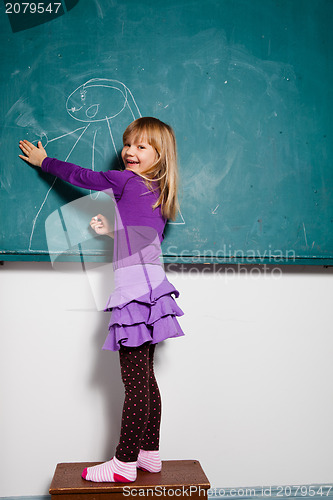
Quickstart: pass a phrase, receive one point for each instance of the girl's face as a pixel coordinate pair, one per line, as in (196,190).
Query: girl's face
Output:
(138,155)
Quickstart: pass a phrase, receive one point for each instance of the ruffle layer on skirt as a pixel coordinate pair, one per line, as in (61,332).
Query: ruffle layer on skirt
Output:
(136,323)
(144,284)
(143,310)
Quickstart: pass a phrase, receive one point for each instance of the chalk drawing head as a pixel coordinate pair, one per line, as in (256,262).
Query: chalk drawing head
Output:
(97,100)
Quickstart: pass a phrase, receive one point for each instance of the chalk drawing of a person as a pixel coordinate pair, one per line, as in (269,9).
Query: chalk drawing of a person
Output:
(96,104)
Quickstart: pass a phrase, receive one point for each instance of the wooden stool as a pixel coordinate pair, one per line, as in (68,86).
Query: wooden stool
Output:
(178,478)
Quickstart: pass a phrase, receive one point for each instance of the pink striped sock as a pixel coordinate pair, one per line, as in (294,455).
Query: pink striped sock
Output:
(113,471)
(149,461)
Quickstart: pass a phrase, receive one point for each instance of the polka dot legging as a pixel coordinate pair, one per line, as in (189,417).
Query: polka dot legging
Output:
(141,418)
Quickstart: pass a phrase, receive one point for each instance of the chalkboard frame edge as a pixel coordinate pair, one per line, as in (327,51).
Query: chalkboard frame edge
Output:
(326,261)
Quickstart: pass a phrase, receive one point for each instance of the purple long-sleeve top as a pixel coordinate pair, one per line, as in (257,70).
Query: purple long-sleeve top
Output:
(138,229)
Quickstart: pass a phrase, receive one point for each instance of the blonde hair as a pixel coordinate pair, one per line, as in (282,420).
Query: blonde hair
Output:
(165,170)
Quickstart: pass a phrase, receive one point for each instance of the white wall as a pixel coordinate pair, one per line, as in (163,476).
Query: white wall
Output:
(248,391)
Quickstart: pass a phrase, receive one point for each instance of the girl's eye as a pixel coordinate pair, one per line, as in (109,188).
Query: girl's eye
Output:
(141,147)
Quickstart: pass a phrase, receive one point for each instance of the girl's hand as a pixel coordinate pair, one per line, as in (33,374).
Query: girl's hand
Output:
(101,225)
(33,155)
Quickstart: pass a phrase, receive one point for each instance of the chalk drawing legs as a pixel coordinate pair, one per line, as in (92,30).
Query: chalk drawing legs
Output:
(53,183)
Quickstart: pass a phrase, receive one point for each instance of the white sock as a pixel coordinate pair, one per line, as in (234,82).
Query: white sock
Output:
(149,461)
(111,472)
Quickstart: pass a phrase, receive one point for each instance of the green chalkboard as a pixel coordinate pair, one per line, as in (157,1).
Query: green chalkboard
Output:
(246,85)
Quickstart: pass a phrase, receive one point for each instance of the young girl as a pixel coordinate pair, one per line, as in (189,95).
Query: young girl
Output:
(143,308)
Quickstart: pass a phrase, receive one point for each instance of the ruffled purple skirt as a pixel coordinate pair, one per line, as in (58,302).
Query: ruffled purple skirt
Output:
(143,308)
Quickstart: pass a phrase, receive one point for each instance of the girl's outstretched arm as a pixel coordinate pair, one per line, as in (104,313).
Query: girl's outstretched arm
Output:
(33,155)
(111,181)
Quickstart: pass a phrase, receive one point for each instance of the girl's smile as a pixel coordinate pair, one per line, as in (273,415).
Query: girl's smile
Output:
(138,156)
